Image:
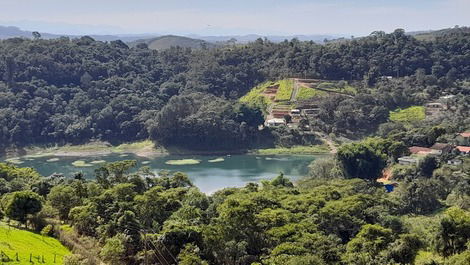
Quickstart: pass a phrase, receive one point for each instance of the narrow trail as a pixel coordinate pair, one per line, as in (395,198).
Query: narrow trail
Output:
(295,92)
(332,146)
(328,141)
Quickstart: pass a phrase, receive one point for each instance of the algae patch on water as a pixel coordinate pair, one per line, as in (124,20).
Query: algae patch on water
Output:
(52,160)
(98,162)
(220,159)
(182,162)
(81,163)
(15,161)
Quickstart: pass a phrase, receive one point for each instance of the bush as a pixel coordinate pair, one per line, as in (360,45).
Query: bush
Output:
(73,260)
(325,168)
(47,230)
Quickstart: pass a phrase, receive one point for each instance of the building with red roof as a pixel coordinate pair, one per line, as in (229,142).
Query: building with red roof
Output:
(418,150)
(465,134)
(464,149)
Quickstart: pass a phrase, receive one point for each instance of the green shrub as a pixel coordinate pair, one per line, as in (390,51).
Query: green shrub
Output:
(47,230)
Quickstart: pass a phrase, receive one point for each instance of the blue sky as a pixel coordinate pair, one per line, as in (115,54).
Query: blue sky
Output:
(219,17)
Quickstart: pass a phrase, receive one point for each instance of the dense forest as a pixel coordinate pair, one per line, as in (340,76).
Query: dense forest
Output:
(76,90)
(338,214)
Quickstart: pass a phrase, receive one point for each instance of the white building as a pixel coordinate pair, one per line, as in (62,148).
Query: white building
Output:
(407,160)
(275,122)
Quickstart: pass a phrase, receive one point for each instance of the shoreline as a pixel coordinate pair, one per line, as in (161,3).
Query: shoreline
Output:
(147,149)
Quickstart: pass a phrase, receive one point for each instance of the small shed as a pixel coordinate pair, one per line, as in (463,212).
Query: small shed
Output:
(407,160)
(442,147)
(295,112)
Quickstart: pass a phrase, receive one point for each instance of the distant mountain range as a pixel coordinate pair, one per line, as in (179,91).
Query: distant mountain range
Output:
(11,32)
(161,42)
(273,38)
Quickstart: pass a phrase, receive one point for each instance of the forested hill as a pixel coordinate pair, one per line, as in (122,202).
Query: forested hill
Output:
(166,42)
(431,35)
(66,90)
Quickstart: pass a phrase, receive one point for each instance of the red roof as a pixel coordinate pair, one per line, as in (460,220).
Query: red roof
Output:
(465,134)
(464,149)
(417,149)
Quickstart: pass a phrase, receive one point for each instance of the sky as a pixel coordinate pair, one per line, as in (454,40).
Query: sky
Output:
(232,17)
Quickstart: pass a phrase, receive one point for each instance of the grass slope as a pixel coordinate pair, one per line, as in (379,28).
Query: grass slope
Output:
(411,114)
(286,88)
(24,243)
(255,98)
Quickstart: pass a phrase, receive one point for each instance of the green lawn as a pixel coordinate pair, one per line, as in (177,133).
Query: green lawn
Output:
(307,93)
(411,114)
(286,87)
(24,243)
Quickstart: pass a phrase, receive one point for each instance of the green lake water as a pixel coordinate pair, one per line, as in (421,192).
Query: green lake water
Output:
(232,171)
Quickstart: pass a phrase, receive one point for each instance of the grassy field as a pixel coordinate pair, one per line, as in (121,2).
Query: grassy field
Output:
(307,93)
(296,150)
(286,87)
(24,243)
(411,114)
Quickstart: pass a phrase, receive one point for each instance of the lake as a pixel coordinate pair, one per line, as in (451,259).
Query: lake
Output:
(221,172)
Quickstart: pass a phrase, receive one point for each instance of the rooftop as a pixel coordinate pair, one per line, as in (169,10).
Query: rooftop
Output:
(276,120)
(465,134)
(418,149)
(465,149)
